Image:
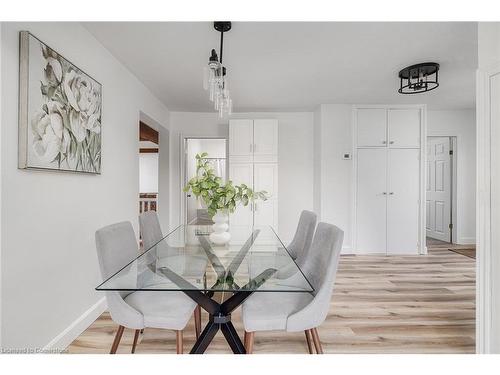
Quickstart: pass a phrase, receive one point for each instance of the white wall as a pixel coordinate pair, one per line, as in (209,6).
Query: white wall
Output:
(488,203)
(148,172)
(317,161)
(335,175)
(48,257)
(295,159)
(488,44)
(461,124)
(1,184)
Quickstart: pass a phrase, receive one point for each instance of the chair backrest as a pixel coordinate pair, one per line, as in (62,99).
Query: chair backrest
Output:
(150,229)
(301,243)
(116,246)
(320,269)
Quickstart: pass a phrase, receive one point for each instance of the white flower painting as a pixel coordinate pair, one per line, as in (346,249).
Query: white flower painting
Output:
(60,112)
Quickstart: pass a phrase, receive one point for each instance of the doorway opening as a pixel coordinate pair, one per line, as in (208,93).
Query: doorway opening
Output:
(148,168)
(441,191)
(194,211)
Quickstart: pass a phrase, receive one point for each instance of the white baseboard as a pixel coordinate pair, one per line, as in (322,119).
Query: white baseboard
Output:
(347,250)
(66,337)
(466,241)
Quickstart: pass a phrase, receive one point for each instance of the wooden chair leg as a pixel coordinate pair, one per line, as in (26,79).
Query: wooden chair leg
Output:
(136,336)
(117,339)
(309,340)
(249,336)
(317,343)
(178,335)
(197,320)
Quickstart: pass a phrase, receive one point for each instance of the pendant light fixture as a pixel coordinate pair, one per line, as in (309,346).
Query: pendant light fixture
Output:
(419,78)
(215,76)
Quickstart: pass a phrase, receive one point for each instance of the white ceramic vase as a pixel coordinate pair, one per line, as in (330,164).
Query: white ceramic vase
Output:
(220,235)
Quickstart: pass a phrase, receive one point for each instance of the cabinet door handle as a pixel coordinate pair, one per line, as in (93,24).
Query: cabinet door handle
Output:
(391,193)
(251,147)
(254,147)
(255,207)
(384,142)
(391,142)
(384,193)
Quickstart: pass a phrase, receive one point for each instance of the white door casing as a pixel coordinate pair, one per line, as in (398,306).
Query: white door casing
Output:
(438,189)
(402,201)
(371,207)
(488,210)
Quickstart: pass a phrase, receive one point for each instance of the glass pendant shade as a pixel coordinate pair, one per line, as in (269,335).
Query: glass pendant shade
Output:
(215,79)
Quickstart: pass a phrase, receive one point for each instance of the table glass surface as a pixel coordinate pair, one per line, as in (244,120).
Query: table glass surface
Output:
(254,260)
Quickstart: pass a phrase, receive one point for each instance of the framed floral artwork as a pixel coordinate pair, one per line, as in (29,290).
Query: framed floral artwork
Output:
(59,111)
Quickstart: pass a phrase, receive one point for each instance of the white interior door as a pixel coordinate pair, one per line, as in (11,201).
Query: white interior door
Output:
(371,127)
(403,127)
(402,201)
(371,202)
(438,189)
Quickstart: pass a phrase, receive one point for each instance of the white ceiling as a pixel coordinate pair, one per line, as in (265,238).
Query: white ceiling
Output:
(296,65)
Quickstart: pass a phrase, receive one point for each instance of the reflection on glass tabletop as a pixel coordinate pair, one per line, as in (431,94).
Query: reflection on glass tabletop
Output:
(255,259)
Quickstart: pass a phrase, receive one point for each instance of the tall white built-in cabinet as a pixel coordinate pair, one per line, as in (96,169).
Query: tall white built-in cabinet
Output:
(388,179)
(253,160)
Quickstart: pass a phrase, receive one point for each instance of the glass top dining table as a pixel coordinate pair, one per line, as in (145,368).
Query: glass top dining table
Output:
(217,277)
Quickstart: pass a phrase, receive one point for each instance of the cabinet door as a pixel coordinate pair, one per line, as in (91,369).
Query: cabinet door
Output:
(241,140)
(241,174)
(371,202)
(404,127)
(266,178)
(265,140)
(266,213)
(402,201)
(372,127)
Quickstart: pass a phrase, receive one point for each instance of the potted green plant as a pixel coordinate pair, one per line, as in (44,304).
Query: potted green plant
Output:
(220,198)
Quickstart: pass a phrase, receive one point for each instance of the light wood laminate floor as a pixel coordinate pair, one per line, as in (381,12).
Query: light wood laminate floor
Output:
(381,304)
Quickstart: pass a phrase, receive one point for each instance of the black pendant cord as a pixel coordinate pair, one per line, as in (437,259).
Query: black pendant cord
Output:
(221,45)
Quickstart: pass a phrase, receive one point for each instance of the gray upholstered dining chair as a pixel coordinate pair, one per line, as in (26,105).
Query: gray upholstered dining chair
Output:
(151,235)
(301,243)
(294,312)
(298,248)
(116,246)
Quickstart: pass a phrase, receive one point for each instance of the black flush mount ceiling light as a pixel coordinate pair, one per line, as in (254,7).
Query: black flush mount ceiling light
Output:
(419,78)
(215,75)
